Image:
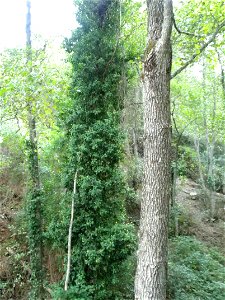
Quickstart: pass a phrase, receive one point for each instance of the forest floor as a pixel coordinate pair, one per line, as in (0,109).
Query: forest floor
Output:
(194,219)
(10,207)
(192,202)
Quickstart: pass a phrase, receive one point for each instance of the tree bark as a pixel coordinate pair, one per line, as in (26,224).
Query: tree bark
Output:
(34,215)
(151,273)
(222,80)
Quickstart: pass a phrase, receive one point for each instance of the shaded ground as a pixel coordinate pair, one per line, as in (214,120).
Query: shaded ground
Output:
(8,211)
(190,198)
(191,202)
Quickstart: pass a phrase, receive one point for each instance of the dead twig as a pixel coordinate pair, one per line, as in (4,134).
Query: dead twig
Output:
(70,234)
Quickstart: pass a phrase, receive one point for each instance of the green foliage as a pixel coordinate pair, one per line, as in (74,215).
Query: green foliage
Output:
(134,31)
(42,86)
(35,241)
(47,85)
(199,113)
(102,239)
(13,275)
(200,20)
(195,271)
(122,287)
(105,52)
(179,219)
(12,161)
(15,284)
(185,160)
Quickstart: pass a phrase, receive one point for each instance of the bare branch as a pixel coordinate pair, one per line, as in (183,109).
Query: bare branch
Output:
(70,233)
(185,32)
(48,290)
(204,46)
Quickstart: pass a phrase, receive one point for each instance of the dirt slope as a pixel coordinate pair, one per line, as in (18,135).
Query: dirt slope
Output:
(191,200)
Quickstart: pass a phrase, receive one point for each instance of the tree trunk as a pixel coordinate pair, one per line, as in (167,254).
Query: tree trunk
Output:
(151,274)
(222,80)
(211,167)
(34,211)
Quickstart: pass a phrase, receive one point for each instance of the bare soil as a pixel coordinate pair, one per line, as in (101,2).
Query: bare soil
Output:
(192,201)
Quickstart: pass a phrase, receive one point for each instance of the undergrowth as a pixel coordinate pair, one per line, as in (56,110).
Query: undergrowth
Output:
(196,272)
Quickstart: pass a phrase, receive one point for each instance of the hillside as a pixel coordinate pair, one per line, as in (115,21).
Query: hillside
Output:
(196,221)
(192,219)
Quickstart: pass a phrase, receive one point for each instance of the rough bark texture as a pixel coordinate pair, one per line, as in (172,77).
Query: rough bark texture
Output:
(151,274)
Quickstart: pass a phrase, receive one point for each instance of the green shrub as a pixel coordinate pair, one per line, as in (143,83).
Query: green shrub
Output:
(195,271)
(102,239)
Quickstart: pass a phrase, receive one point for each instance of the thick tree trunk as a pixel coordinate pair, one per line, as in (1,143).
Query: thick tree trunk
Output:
(151,274)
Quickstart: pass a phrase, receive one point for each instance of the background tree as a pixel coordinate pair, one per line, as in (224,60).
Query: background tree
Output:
(34,205)
(196,95)
(33,95)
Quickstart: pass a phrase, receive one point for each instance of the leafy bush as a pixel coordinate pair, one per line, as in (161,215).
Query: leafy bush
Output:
(187,162)
(179,221)
(102,239)
(195,271)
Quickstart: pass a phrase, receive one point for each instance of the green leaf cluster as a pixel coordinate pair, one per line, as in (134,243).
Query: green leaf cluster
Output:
(195,271)
(102,238)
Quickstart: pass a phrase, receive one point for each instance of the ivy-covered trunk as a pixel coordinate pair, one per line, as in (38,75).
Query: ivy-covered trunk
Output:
(102,240)
(34,213)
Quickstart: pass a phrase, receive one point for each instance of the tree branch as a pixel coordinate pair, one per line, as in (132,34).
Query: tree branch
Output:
(222,79)
(204,46)
(184,32)
(70,234)
(167,22)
